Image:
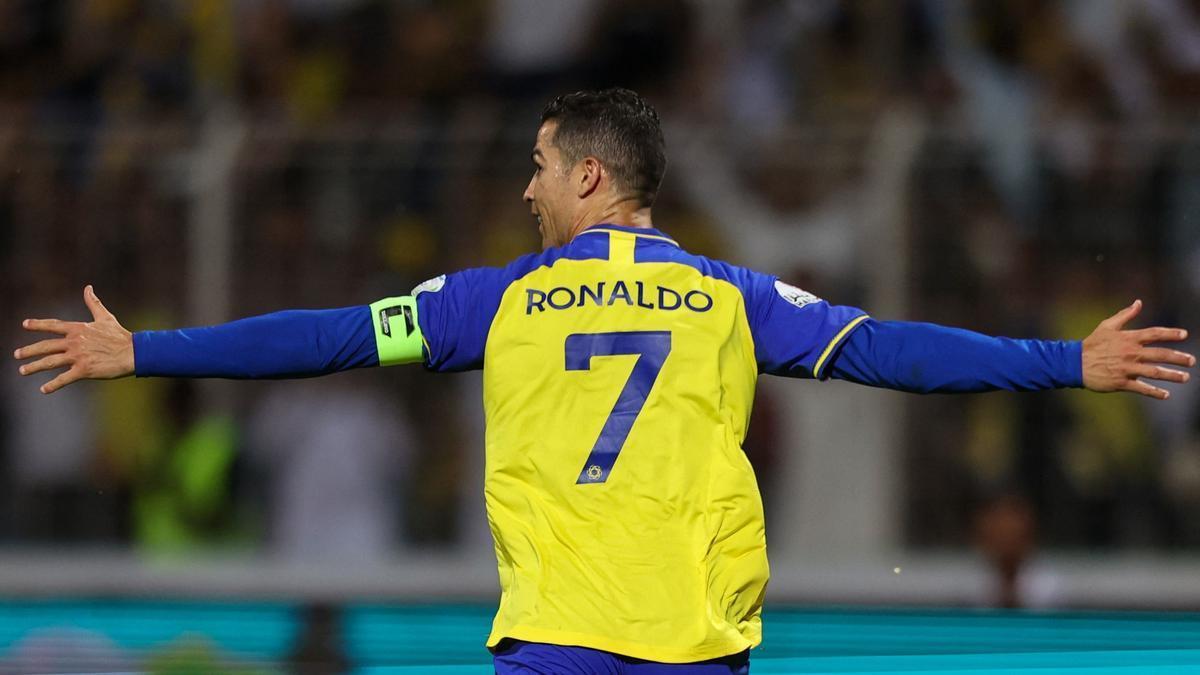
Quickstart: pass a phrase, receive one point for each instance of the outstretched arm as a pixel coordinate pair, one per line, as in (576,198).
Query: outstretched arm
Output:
(294,343)
(929,358)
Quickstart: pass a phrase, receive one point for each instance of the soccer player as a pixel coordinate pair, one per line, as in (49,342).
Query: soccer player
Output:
(619,372)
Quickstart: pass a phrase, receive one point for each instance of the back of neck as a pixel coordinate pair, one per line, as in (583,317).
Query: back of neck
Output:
(624,215)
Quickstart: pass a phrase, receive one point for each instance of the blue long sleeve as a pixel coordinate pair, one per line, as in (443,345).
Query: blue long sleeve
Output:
(927,358)
(292,343)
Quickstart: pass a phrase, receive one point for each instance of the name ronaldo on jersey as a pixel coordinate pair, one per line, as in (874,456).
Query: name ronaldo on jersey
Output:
(606,294)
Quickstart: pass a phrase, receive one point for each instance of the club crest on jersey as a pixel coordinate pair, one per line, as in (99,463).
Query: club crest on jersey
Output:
(797,296)
(432,286)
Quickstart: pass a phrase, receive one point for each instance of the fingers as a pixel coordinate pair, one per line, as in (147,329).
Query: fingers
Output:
(1146,370)
(47,326)
(1159,373)
(1159,334)
(48,363)
(1124,316)
(42,348)
(1169,356)
(62,380)
(1145,389)
(93,303)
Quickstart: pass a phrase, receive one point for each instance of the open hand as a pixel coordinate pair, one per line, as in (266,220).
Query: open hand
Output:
(1115,359)
(97,350)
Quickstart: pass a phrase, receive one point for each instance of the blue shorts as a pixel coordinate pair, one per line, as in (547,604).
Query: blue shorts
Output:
(513,657)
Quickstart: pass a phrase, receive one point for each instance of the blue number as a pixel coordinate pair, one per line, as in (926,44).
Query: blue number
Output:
(651,348)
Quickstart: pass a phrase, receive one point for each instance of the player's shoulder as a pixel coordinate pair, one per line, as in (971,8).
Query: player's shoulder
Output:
(761,292)
(476,280)
(521,267)
(748,281)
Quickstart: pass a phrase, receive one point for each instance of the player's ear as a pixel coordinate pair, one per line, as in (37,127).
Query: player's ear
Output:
(588,180)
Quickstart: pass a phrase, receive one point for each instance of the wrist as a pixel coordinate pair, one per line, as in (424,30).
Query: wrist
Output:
(128,361)
(139,350)
(1075,371)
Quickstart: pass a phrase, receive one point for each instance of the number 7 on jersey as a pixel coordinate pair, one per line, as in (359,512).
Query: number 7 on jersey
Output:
(651,348)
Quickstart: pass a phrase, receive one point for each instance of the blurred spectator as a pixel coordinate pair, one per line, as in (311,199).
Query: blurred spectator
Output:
(387,142)
(51,457)
(527,58)
(333,455)
(655,38)
(1006,538)
(319,649)
(182,491)
(1106,454)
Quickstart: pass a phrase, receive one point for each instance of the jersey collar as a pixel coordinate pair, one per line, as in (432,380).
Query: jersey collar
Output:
(648,232)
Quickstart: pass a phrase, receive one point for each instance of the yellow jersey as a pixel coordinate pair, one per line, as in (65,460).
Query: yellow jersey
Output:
(619,374)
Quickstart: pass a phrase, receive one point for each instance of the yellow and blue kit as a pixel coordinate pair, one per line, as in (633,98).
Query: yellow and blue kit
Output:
(619,373)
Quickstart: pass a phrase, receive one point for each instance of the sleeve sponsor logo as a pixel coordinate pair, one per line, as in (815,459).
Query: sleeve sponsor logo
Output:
(432,286)
(797,296)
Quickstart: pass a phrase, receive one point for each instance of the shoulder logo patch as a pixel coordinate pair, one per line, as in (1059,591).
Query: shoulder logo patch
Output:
(797,296)
(432,286)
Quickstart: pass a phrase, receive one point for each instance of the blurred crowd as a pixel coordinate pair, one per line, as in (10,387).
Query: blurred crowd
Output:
(378,143)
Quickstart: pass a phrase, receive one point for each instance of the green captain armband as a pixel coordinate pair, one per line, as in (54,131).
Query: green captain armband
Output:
(398,336)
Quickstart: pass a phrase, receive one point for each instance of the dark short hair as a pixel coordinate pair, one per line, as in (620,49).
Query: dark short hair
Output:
(618,127)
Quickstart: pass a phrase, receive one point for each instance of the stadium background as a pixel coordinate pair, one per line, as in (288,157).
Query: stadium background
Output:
(1019,167)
